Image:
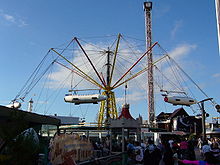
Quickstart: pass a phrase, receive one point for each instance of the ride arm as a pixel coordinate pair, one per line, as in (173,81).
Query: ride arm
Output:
(139,73)
(90,61)
(114,60)
(148,51)
(79,70)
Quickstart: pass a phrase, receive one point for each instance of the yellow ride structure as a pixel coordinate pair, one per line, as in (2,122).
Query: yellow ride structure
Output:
(108,108)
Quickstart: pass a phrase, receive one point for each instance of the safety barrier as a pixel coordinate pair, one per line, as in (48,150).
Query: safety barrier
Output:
(114,159)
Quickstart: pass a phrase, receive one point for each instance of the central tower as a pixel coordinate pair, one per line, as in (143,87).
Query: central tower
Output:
(150,91)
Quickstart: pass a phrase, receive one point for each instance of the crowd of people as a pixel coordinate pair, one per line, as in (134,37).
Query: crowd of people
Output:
(174,152)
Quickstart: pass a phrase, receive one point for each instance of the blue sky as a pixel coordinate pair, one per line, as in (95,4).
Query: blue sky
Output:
(29,28)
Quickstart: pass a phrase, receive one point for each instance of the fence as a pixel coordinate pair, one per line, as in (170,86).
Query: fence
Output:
(115,159)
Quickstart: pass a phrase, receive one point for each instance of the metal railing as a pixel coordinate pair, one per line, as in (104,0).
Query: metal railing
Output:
(114,159)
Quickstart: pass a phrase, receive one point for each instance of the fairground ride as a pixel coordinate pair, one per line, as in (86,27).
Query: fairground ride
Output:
(108,107)
(104,69)
(88,65)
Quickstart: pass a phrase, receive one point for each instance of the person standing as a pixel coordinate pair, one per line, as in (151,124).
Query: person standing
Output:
(184,152)
(152,154)
(139,155)
(168,155)
(131,152)
(215,150)
(191,150)
(205,148)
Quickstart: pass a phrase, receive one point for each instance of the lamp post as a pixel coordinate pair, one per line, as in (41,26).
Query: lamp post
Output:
(203,116)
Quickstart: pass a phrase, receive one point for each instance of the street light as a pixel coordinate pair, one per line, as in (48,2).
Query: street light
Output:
(147,5)
(203,116)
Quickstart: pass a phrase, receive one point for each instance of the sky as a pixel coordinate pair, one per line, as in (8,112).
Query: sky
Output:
(29,28)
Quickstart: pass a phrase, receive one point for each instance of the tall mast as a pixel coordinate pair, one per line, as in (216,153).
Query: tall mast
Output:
(108,85)
(150,92)
(217,9)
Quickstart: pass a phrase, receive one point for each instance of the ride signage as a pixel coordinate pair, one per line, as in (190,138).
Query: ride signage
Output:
(70,149)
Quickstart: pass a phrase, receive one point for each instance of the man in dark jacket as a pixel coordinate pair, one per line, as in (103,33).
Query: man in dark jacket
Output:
(152,154)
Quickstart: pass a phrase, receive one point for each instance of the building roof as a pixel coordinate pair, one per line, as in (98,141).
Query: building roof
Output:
(125,113)
(124,123)
(166,116)
(7,115)
(178,112)
(163,116)
(67,120)
(14,121)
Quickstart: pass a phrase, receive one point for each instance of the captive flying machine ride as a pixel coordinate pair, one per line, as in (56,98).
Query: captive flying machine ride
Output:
(84,99)
(180,100)
(14,105)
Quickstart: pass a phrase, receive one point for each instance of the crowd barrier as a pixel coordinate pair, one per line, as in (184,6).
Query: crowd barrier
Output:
(114,159)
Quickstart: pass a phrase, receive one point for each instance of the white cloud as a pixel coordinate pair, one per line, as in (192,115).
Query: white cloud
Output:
(182,50)
(22,23)
(11,19)
(177,26)
(133,97)
(217,75)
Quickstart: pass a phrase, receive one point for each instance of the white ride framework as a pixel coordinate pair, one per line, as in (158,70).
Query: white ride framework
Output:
(84,99)
(178,100)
